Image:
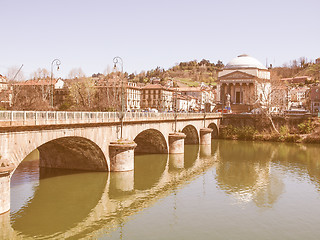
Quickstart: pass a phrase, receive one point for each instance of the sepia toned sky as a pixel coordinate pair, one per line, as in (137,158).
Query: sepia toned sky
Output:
(147,33)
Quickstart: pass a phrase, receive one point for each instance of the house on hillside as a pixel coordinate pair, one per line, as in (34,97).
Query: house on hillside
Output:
(314,99)
(297,80)
(298,96)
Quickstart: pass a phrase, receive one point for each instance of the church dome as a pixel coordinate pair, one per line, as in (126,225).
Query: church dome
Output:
(244,61)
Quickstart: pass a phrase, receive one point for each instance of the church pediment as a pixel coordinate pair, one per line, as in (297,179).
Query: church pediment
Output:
(237,75)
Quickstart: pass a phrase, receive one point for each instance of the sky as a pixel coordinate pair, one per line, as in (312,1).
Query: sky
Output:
(148,33)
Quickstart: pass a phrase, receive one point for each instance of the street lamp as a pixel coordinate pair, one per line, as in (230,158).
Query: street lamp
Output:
(118,60)
(57,63)
(204,115)
(175,109)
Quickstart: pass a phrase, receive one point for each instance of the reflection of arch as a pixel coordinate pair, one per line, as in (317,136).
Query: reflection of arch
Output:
(148,170)
(72,153)
(63,199)
(151,141)
(191,133)
(215,132)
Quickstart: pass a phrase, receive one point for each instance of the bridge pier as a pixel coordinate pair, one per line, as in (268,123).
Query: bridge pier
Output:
(121,154)
(205,136)
(6,231)
(5,170)
(176,142)
(176,150)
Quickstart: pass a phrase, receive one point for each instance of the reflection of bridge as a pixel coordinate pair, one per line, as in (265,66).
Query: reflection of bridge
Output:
(76,140)
(116,197)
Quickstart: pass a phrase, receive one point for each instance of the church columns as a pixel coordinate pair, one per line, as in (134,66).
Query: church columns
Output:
(222,93)
(241,94)
(234,93)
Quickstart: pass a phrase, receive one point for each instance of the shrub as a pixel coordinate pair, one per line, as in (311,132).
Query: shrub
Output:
(242,133)
(227,132)
(292,138)
(306,127)
(245,133)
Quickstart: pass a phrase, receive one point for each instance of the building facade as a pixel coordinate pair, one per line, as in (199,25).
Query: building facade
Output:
(243,81)
(133,97)
(315,99)
(156,96)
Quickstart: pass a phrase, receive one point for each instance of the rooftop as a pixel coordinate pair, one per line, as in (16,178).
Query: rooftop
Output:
(244,61)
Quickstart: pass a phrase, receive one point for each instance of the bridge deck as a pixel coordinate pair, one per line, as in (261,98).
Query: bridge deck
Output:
(35,118)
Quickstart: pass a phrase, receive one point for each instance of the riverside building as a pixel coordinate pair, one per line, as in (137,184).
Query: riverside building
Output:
(246,81)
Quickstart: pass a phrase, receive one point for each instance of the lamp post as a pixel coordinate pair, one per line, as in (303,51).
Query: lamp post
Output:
(204,115)
(56,62)
(118,60)
(175,109)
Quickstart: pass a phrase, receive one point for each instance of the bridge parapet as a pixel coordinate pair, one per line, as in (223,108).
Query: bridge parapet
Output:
(31,118)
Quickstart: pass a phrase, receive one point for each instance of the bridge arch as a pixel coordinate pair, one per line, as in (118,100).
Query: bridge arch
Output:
(72,153)
(151,141)
(192,136)
(215,132)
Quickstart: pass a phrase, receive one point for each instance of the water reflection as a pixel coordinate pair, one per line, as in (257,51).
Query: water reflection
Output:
(60,202)
(205,151)
(176,162)
(300,160)
(190,155)
(77,204)
(148,169)
(121,184)
(248,171)
(244,171)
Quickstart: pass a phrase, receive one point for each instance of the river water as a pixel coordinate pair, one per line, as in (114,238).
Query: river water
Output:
(233,190)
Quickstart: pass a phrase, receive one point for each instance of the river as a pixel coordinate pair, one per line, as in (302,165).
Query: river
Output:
(233,190)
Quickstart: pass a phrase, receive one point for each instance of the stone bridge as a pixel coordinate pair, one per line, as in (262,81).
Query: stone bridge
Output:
(120,193)
(91,140)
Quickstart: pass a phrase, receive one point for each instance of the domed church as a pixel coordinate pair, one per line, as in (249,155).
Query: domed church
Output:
(242,83)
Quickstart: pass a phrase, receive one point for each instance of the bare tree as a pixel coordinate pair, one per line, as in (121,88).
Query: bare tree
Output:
(269,95)
(14,74)
(82,92)
(76,73)
(27,97)
(40,73)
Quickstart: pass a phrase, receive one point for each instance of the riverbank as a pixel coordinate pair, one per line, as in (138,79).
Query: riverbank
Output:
(306,132)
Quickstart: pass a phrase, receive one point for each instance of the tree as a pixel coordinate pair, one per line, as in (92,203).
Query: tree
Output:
(82,92)
(14,74)
(271,94)
(26,97)
(76,73)
(40,73)
(219,64)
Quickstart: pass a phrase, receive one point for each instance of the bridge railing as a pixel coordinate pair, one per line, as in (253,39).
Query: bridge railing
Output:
(29,118)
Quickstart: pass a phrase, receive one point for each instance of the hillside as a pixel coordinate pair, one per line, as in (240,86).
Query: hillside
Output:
(194,72)
(300,67)
(184,74)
